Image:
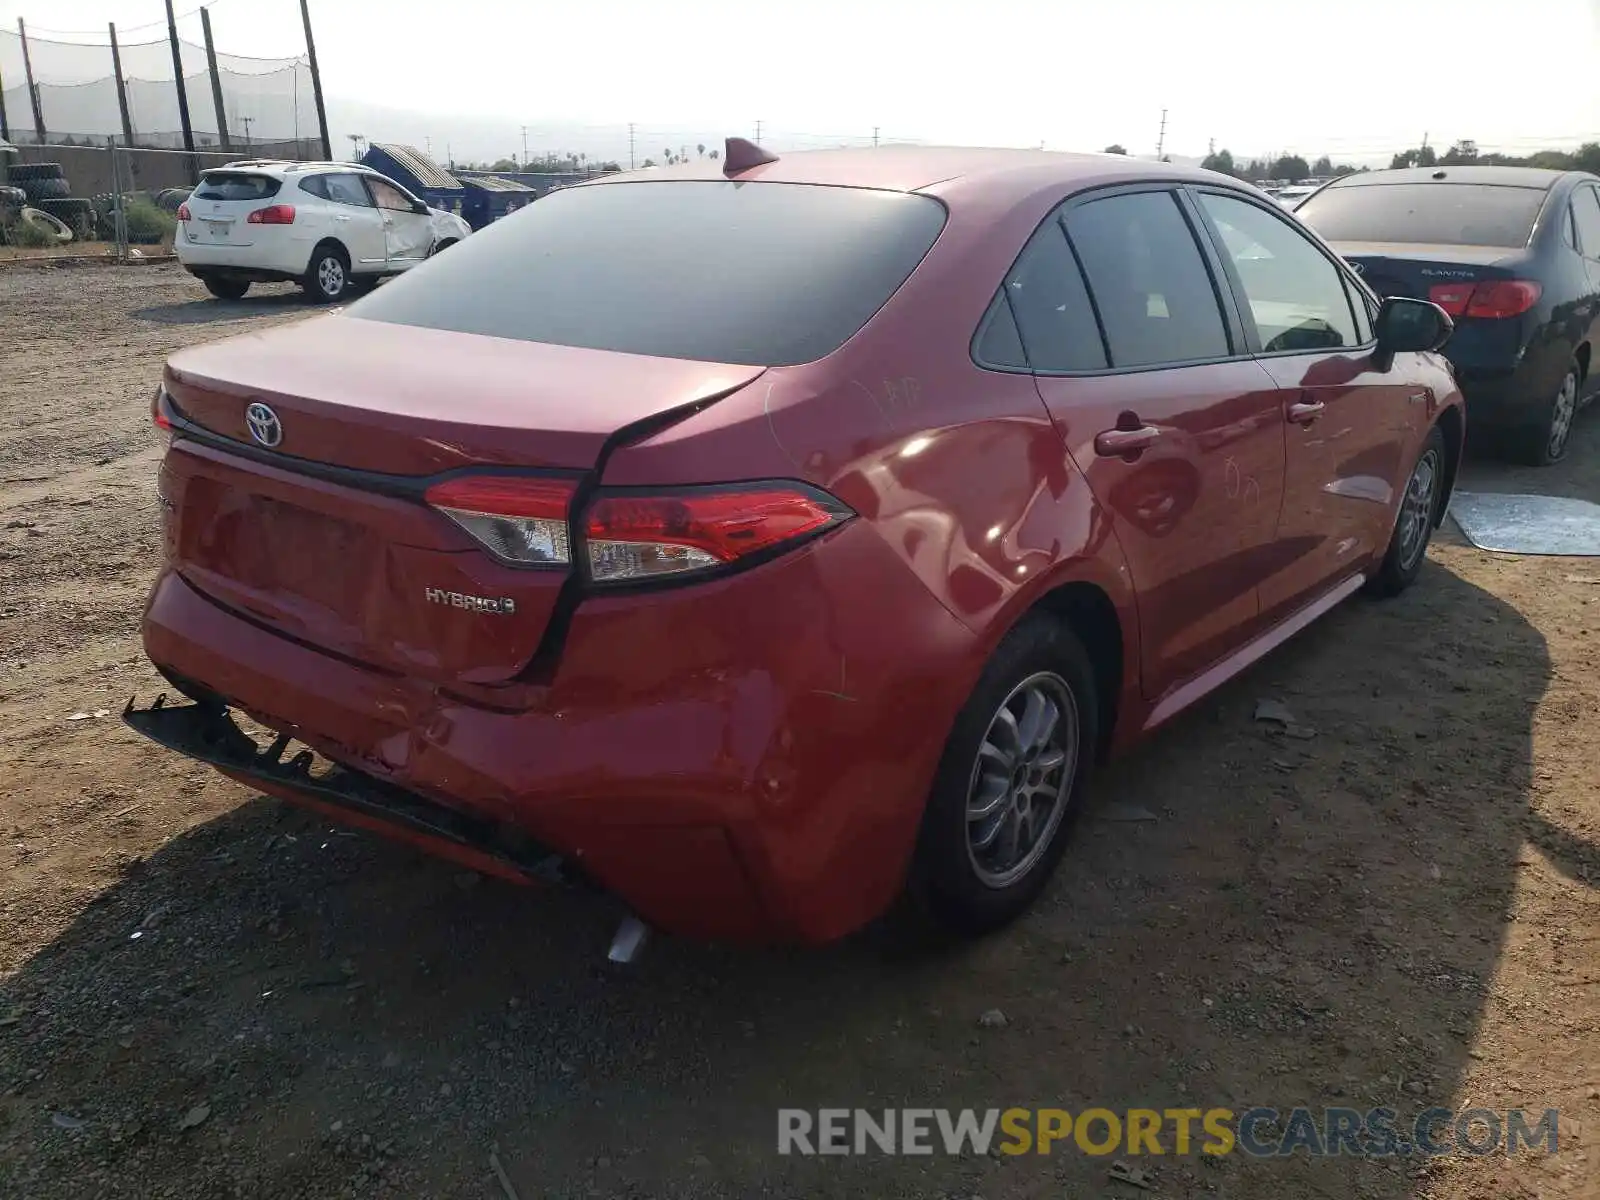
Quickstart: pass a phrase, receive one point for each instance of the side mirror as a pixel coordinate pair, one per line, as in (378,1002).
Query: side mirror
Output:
(1405,325)
(420,207)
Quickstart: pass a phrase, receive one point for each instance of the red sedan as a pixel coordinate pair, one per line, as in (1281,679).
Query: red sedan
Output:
(769,538)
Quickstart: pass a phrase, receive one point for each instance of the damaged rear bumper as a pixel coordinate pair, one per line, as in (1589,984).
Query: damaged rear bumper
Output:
(207,732)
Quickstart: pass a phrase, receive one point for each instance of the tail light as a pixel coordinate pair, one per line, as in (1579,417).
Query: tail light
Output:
(158,411)
(273,214)
(1492,299)
(521,519)
(1452,297)
(183,211)
(635,536)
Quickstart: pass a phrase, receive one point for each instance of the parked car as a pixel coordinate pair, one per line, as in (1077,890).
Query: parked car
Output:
(333,228)
(799,533)
(1513,255)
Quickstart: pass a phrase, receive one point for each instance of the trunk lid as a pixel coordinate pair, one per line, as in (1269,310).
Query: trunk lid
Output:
(325,536)
(1412,269)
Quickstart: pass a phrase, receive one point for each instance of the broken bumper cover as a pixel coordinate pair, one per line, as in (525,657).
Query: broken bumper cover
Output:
(208,733)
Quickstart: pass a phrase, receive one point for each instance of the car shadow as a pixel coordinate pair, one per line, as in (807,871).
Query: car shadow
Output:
(1577,477)
(263,300)
(1243,919)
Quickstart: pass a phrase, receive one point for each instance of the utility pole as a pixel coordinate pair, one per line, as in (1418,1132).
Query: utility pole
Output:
(758,133)
(1211,147)
(630,146)
(316,75)
(874,137)
(524,147)
(183,94)
(427,146)
(355,146)
(247,122)
(1161,138)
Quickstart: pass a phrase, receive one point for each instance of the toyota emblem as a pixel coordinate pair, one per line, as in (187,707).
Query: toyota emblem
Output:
(264,425)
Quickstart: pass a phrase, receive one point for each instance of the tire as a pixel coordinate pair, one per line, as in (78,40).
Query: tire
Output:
(224,288)
(962,880)
(43,220)
(77,215)
(172,199)
(1414,521)
(1546,443)
(45,189)
(327,278)
(27,171)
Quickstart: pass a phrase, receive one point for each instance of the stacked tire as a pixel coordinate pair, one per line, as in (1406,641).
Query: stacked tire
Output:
(47,189)
(41,181)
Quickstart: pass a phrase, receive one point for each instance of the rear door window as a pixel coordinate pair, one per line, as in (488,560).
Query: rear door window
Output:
(748,273)
(1442,214)
(235,185)
(1149,280)
(346,189)
(1586,212)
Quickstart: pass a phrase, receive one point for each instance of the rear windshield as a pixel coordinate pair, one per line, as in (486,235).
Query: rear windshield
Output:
(750,273)
(235,185)
(1444,214)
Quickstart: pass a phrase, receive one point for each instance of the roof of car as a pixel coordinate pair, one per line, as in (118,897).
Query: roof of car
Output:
(917,168)
(284,166)
(1529,177)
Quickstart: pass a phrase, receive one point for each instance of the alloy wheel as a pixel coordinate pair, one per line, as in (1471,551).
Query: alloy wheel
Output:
(1565,408)
(330,276)
(1416,509)
(1022,779)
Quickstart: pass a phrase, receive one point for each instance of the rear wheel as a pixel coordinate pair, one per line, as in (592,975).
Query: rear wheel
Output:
(1414,521)
(226,289)
(327,279)
(1009,782)
(1546,442)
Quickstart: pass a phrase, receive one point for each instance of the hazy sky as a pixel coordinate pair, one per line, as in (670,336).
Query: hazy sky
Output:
(1356,78)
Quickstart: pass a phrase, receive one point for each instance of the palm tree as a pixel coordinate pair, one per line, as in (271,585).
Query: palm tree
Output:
(701,149)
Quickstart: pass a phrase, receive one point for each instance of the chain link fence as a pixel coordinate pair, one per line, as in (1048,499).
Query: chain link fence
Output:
(114,200)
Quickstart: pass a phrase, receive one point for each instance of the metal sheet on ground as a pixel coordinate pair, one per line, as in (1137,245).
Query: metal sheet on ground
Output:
(1514,524)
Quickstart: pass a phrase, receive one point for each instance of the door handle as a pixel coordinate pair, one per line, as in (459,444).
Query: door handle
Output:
(1124,443)
(1303,412)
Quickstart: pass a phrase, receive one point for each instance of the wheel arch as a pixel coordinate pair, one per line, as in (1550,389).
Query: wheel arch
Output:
(325,243)
(1088,611)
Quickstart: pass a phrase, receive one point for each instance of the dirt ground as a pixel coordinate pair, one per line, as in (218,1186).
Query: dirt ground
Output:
(206,994)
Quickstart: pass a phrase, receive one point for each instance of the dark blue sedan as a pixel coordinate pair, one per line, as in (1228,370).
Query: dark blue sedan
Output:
(1513,255)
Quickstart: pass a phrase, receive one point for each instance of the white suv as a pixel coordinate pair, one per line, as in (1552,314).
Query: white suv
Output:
(331,227)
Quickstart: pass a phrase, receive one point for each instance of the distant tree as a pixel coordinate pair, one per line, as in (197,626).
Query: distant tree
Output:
(1465,151)
(713,154)
(1291,168)
(1166,158)
(700,149)
(1346,169)
(1221,161)
(1323,166)
(1419,156)
(504,164)
(1115,148)
(1588,158)
(649,162)
(1255,170)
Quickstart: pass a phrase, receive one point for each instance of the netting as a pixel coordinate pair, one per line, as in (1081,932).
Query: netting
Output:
(264,100)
